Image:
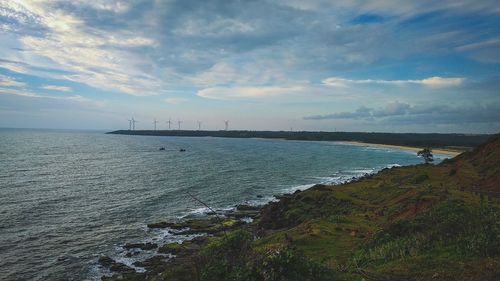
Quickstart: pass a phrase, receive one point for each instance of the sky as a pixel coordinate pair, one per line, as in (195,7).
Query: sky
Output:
(376,66)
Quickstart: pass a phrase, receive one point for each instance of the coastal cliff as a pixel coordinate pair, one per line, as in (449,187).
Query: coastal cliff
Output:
(423,222)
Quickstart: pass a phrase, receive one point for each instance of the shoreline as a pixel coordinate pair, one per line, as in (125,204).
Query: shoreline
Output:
(397,139)
(441,151)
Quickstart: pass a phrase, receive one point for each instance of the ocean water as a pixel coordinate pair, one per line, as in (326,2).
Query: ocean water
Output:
(67,197)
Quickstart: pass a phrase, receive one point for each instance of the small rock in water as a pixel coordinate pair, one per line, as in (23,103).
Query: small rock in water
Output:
(106,261)
(155,264)
(162,224)
(131,254)
(244,207)
(114,266)
(259,196)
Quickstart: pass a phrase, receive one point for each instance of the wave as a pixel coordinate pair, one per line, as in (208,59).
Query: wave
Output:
(130,257)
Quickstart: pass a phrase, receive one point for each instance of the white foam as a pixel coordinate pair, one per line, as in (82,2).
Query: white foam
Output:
(204,211)
(247,220)
(169,235)
(292,189)
(261,201)
(362,171)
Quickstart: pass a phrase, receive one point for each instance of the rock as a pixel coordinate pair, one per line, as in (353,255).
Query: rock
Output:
(320,187)
(286,195)
(114,266)
(131,254)
(170,248)
(180,250)
(259,196)
(121,268)
(142,246)
(244,214)
(244,207)
(155,264)
(162,224)
(199,240)
(106,261)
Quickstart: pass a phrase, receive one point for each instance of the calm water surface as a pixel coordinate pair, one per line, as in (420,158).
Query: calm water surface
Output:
(67,197)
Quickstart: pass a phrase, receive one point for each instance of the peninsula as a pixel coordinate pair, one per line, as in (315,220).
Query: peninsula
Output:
(453,142)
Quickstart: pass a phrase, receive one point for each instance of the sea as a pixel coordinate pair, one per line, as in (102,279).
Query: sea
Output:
(68,197)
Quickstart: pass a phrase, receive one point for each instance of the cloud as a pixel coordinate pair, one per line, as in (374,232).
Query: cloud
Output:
(13,66)
(260,71)
(11,94)
(434,82)
(6,81)
(114,6)
(248,92)
(56,88)
(486,51)
(214,28)
(404,113)
(270,51)
(89,55)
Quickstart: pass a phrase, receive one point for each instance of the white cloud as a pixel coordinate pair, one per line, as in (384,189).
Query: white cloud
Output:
(483,51)
(17,92)
(393,7)
(105,5)
(440,82)
(13,66)
(95,57)
(248,92)
(256,72)
(215,28)
(6,81)
(435,82)
(56,88)
(75,98)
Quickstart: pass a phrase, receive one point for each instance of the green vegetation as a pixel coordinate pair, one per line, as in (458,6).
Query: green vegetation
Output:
(234,258)
(426,153)
(419,140)
(420,222)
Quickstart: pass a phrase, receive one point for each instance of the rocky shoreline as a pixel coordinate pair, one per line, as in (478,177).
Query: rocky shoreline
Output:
(194,234)
(214,225)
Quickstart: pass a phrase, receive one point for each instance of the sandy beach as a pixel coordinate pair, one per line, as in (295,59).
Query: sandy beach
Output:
(442,151)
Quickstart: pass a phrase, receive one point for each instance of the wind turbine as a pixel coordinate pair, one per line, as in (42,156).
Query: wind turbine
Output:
(199,125)
(133,123)
(179,124)
(155,122)
(169,123)
(226,124)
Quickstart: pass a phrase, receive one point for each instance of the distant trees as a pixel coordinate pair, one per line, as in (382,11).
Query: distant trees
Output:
(426,153)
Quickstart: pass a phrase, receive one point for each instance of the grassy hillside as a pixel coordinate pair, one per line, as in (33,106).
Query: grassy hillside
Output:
(421,222)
